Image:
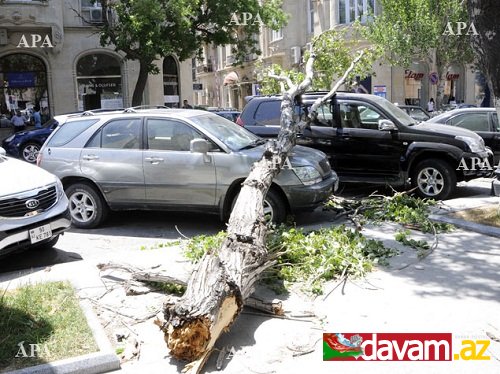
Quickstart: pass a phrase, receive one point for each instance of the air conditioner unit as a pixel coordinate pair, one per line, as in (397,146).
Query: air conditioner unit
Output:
(296,55)
(95,15)
(309,47)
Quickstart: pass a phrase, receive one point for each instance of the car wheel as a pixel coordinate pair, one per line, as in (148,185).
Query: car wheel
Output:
(29,152)
(274,207)
(86,206)
(434,179)
(47,245)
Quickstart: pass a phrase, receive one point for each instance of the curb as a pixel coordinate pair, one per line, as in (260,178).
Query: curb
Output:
(472,226)
(93,363)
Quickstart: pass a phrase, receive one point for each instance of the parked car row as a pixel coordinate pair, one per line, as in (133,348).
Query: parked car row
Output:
(370,140)
(176,159)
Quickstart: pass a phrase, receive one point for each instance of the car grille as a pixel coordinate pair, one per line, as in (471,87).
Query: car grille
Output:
(17,206)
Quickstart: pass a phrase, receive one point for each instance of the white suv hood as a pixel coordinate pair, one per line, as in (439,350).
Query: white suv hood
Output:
(18,176)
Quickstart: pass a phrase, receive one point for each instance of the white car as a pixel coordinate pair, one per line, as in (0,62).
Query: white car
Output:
(33,206)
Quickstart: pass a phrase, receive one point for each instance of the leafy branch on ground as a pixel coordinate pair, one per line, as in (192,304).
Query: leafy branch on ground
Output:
(421,246)
(401,208)
(309,257)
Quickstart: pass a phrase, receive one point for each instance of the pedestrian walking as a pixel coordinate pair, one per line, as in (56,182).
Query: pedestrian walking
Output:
(430,105)
(18,122)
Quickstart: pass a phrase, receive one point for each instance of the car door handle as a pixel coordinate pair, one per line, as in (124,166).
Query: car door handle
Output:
(90,157)
(154,160)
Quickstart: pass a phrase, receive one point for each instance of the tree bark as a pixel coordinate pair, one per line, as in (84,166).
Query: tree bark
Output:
(484,14)
(142,79)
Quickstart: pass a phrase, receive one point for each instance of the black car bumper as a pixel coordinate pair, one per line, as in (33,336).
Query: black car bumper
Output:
(309,197)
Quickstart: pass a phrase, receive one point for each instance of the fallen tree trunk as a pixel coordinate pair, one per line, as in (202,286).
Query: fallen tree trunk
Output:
(225,277)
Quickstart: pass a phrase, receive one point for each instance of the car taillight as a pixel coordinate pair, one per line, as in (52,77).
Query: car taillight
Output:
(239,121)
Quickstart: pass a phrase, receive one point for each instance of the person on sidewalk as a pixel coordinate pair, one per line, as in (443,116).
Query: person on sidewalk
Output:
(186,105)
(37,118)
(430,105)
(18,122)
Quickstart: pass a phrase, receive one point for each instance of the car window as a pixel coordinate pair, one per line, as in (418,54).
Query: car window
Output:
(268,113)
(418,114)
(69,131)
(325,116)
(118,134)
(495,122)
(471,121)
(233,136)
(357,115)
(170,135)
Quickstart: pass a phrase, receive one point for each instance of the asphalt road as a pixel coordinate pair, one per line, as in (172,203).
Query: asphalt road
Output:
(135,230)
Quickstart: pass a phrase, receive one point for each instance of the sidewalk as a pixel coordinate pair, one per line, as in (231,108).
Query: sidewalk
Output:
(456,289)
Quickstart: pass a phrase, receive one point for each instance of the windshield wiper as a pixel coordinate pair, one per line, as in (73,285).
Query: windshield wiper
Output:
(253,144)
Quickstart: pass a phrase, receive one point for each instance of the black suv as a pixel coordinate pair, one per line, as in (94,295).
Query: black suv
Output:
(368,139)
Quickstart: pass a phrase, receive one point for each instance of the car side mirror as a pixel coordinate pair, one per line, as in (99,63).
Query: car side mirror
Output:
(2,152)
(199,146)
(386,125)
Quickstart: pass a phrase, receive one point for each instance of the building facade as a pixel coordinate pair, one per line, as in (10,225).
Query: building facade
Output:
(50,56)
(223,85)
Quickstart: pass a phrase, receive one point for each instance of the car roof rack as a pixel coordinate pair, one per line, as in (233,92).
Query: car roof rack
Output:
(135,109)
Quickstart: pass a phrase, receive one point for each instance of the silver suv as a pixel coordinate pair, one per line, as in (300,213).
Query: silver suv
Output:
(33,206)
(185,160)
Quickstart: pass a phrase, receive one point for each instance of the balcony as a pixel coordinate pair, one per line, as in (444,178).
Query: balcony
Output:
(205,68)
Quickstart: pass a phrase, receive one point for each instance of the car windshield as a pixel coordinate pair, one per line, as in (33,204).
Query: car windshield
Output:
(400,115)
(234,136)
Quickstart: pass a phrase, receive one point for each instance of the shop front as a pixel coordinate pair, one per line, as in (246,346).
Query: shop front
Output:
(23,83)
(99,82)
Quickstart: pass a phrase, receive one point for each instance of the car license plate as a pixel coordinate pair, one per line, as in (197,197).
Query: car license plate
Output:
(40,233)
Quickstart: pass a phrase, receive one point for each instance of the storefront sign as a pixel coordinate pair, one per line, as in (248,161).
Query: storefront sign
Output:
(380,91)
(452,76)
(26,79)
(37,41)
(433,77)
(410,74)
(197,86)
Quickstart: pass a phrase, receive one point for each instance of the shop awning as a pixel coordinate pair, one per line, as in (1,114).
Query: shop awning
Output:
(231,78)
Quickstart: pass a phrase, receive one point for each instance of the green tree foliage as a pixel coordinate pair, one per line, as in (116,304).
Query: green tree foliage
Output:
(335,50)
(423,30)
(145,30)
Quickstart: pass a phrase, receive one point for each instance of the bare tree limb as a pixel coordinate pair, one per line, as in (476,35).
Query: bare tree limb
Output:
(313,111)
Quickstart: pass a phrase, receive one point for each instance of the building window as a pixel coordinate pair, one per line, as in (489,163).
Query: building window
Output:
(310,17)
(352,10)
(276,34)
(91,12)
(99,82)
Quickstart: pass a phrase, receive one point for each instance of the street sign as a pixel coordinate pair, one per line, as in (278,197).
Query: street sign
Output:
(433,77)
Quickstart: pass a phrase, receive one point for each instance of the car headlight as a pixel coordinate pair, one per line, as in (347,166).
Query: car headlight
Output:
(60,188)
(307,174)
(9,139)
(475,145)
